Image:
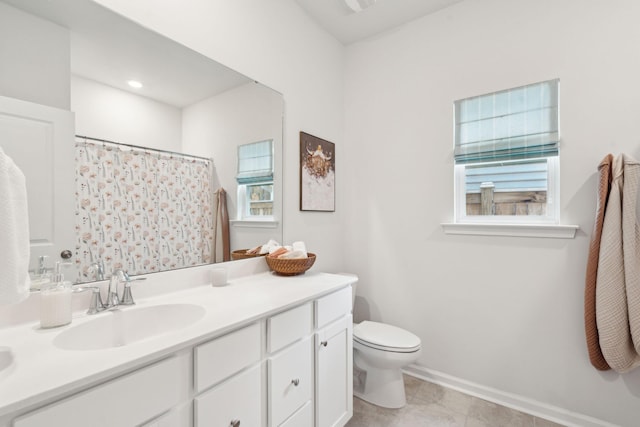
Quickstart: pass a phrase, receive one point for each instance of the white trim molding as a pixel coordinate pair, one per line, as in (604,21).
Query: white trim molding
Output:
(514,401)
(254,223)
(553,231)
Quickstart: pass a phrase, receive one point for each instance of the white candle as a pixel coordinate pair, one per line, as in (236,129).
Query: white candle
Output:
(55,307)
(218,276)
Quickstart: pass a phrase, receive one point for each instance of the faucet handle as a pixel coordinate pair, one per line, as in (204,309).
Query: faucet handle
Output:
(127,298)
(96,305)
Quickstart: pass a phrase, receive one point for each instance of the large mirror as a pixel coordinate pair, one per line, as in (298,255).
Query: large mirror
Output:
(188,104)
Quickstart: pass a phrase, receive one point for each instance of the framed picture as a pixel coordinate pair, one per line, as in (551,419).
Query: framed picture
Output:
(317,174)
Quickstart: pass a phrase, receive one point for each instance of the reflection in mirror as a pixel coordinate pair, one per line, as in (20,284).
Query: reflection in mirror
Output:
(142,210)
(187,104)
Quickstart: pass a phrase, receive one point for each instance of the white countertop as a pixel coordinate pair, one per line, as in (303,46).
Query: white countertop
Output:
(41,372)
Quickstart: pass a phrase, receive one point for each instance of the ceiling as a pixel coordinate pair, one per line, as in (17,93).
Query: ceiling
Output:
(102,48)
(349,26)
(112,50)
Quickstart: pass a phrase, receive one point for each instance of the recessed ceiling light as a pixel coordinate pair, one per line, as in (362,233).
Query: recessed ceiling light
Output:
(135,84)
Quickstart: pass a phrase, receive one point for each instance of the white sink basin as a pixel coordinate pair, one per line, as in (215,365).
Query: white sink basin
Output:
(125,326)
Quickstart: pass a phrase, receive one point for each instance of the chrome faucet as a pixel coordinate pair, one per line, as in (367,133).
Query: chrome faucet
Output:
(98,268)
(117,277)
(113,300)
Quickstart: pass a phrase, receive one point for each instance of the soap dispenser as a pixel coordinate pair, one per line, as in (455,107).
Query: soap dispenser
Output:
(55,300)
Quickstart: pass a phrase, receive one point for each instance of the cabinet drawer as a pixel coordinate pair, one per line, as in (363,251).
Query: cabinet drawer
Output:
(302,418)
(239,399)
(287,327)
(333,306)
(290,377)
(125,395)
(224,356)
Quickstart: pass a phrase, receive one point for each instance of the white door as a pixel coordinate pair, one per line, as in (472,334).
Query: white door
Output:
(40,141)
(334,374)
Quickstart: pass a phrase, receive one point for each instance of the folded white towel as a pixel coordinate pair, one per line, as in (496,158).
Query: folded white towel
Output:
(300,246)
(269,247)
(14,233)
(293,255)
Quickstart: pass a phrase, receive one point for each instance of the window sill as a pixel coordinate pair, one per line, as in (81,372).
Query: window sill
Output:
(551,231)
(254,223)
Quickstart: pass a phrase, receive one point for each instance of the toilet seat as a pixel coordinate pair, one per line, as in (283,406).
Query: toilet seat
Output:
(385,337)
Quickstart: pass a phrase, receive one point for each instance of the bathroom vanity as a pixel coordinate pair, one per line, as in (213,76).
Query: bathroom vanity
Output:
(264,350)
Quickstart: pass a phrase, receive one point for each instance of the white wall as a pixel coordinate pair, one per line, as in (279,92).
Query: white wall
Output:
(216,127)
(504,313)
(275,43)
(29,45)
(115,115)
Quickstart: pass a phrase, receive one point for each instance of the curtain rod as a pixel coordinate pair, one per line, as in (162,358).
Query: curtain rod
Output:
(144,148)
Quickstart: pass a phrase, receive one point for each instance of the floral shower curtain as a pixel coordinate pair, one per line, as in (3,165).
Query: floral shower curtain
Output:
(140,209)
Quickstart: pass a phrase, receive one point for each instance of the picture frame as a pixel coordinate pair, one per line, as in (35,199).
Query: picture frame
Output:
(317,174)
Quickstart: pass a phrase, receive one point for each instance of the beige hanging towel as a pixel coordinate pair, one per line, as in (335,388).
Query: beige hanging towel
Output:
(631,245)
(611,299)
(221,240)
(591,329)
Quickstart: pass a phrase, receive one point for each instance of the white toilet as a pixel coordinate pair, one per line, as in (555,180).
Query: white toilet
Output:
(380,351)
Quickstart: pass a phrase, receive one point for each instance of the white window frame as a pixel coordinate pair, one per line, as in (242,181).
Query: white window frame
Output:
(243,213)
(552,209)
(547,225)
(243,204)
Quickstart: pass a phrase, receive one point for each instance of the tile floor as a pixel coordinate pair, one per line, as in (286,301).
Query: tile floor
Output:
(436,406)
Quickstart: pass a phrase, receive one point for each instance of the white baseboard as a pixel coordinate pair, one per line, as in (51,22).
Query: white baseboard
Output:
(514,401)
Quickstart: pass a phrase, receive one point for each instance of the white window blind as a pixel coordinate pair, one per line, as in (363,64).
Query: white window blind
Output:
(519,123)
(255,162)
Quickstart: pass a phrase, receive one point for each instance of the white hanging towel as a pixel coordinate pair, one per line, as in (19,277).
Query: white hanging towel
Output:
(14,233)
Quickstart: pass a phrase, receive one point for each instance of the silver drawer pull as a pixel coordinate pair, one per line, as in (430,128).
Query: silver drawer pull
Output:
(235,423)
(324,343)
(295,382)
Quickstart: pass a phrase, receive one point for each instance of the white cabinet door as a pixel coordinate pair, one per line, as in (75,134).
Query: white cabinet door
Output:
(289,379)
(237,401)
(40,141)
(334,373)
(302,418)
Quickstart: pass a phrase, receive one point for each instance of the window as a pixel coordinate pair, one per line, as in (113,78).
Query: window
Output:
(255,180)
(506,156)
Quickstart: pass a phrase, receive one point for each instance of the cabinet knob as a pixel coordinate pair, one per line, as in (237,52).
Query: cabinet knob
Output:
(295,381)
(324,343)
(235,423)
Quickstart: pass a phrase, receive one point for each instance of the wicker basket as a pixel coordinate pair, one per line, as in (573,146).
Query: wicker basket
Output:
(291,267)
(242,254)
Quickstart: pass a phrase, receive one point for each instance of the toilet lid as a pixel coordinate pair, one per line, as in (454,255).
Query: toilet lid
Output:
(385,337)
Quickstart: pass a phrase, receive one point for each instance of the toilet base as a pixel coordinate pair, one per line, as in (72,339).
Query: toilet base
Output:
(381,387)
(378,371)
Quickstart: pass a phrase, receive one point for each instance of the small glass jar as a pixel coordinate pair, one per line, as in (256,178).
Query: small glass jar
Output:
(55,304)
